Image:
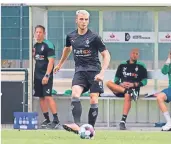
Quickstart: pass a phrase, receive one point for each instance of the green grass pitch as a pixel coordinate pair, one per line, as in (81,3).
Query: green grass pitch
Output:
(101,137)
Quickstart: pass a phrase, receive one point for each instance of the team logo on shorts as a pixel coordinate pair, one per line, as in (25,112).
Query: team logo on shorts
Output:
(100,84)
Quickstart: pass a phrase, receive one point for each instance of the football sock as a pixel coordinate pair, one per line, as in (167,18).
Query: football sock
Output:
(76,109)
(167,116)
(46,116)
(93,113)
(124,118)
(55,118)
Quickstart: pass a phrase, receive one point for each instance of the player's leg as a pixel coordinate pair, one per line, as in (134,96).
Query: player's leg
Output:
(47,92)
(43,105)
(78,87)
(76,104)
(165,96)
(119,89)
(93,111)
(96,88)
(126,108)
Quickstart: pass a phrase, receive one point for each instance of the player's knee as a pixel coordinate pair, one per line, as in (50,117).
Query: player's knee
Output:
(93,99)
(75,94)
(160,97)
(109,83)
(127,97)
(49,98)
(76,91)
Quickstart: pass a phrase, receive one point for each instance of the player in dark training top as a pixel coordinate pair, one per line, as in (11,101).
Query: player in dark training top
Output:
(44,55)
(89,74)
(130,76)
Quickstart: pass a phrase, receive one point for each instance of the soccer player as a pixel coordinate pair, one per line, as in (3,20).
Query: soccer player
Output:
(130,76)
(44,55)
(88,71)
(165,95)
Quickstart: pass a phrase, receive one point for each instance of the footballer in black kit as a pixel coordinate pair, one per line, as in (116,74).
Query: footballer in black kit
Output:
(89,73)
(44,55)
(43,51)
(130,76)
(87,64)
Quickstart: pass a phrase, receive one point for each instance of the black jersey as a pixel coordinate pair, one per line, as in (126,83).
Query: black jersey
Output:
(85,50)
(135,72)
(43,51)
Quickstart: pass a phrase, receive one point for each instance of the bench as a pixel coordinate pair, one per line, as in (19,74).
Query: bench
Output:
(144,111)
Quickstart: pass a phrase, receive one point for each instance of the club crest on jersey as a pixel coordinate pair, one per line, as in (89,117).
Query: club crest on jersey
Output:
(124,69)
(42,48)
(136,69)
(87,43)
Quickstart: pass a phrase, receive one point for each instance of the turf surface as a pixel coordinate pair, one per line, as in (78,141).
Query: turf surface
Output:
(101,137)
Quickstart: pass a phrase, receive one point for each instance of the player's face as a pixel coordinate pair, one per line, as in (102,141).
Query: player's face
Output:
(134,55)
(39,34)
(82,21)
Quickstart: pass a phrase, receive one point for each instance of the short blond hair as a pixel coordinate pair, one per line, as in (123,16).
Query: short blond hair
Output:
(84,12)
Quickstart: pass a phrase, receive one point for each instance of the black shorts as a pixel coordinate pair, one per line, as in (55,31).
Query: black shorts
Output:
(86,80)
(43,90)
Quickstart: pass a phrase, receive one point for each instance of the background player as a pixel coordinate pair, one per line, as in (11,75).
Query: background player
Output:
(44,55)
(130,76)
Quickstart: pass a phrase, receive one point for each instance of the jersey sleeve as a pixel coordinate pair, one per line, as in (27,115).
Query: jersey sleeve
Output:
(68,42)
(143,81)
(100,44)
(165,69)
(51,51)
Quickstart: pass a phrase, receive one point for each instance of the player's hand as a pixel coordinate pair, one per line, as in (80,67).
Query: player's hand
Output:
(99,77)
(57,68)
(45,80)
(125,84)
(130,85)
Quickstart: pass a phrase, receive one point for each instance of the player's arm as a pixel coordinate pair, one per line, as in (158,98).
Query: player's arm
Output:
(104,52)
(106,60)
(166,68)
(118,75)
(106,57)
(143,74)
(66,52)
(34,51)
(51,58)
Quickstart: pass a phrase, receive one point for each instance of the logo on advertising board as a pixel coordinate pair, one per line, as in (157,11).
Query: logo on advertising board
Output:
(164,37)
(139,37)
(127,36)
(113,37)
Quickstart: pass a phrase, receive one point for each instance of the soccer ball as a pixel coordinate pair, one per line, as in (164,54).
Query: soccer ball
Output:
(86,131)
